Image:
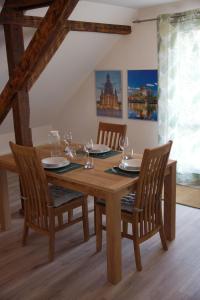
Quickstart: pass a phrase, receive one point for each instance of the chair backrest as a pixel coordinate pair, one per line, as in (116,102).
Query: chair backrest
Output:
(149,189)
(109,134)
(34,185)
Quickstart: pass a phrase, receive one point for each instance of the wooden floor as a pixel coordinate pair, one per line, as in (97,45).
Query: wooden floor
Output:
(79,273)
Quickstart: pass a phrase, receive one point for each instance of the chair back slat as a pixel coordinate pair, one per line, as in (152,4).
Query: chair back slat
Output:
(34,185)
(149,189)
(109,134)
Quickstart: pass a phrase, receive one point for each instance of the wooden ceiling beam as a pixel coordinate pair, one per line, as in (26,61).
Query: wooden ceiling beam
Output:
(32,21)
(23,21)
(27,4)
(45,36)
(97,27)
(21,109)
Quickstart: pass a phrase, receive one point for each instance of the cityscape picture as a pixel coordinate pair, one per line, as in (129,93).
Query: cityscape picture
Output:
(109,93)
(143,95)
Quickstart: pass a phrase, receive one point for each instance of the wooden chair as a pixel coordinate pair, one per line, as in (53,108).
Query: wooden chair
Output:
(44,204)
(109,134)
(142,209)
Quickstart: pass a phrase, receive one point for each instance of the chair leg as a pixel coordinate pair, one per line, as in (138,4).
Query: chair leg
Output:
(25,234)
(85,219)
(95,200)
(136,250)
(98,221)
(125,227)
(163,238)
(137,255)
(51,235)
(70,215)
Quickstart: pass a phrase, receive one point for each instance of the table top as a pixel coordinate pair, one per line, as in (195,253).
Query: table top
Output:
(94,181)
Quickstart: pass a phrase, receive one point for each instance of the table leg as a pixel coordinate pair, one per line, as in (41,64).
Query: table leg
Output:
(113,226)
(5,218)
(170,203)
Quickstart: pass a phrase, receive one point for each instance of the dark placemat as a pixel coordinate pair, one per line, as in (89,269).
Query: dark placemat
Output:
(70,167)
(105,154)
(118,171)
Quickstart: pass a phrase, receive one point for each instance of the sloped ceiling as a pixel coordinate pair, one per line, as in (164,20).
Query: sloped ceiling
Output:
(75,59)
(135,3)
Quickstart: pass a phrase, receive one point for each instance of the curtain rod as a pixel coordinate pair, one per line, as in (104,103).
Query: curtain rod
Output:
(155,19)
(145,20)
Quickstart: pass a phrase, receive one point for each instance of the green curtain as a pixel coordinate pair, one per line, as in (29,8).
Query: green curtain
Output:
(179,91)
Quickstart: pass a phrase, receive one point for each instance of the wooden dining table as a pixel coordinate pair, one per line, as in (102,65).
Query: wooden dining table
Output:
(98,183)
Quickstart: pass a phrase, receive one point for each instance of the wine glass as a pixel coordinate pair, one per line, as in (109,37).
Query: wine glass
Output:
(67,137)
(124,144)
(54,142)
(128,153)
(89,164)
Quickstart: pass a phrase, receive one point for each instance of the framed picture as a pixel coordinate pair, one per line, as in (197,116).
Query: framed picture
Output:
(109,93)
(143,95)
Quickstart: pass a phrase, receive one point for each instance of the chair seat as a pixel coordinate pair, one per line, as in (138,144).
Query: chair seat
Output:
(62,195)
(127,203)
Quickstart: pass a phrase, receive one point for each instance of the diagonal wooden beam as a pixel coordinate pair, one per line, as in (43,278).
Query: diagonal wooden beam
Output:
(31,21)
(43,61)
(44,36)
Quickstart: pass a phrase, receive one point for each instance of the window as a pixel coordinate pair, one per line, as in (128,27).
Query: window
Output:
(179,91)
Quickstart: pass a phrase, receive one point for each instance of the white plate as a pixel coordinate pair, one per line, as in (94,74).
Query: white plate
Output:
(54,162)
(131,165)
(99,148)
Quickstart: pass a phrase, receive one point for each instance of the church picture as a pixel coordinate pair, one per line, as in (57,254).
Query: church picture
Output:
(143,95)
(109,93)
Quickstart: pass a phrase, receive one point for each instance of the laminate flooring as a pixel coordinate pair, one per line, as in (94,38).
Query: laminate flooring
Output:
(78,273)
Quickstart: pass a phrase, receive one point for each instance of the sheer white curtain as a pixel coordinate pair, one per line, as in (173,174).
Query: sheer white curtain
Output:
(179,90)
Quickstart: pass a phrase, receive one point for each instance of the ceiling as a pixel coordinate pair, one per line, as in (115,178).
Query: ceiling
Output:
(135,3)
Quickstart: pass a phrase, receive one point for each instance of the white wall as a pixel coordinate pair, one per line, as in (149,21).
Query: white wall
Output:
(136,51)
(39,135)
